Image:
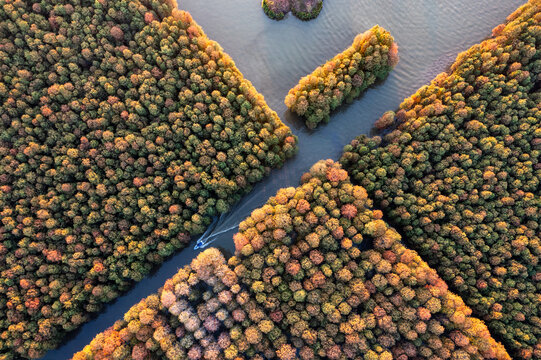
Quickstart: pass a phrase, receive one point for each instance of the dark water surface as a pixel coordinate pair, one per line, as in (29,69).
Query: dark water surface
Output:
(275,55)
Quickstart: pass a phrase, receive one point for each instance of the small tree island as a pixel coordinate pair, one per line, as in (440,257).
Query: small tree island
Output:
(303,9)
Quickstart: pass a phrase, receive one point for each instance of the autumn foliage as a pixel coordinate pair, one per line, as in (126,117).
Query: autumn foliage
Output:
(370,58)
(302,9)
(123,131)
(200,313)
(336,278)
(303,285)
(458,173)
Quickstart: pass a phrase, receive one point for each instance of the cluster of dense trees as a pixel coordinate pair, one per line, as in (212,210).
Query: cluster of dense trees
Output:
(458,172)
(371,57)
(303,257)
(123,131)
(303,9)
(201,313)
(303,286)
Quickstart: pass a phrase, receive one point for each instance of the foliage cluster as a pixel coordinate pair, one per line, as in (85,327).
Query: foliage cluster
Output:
(200,313)
(303,9)
(301,286)
(370,58)
(123,131)
(335,277)
(458,173)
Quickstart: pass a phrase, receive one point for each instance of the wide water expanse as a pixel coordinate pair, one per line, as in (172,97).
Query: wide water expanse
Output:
(274,55)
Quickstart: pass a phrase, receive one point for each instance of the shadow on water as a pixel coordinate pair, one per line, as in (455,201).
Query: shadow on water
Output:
(274,55)
(296,122)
